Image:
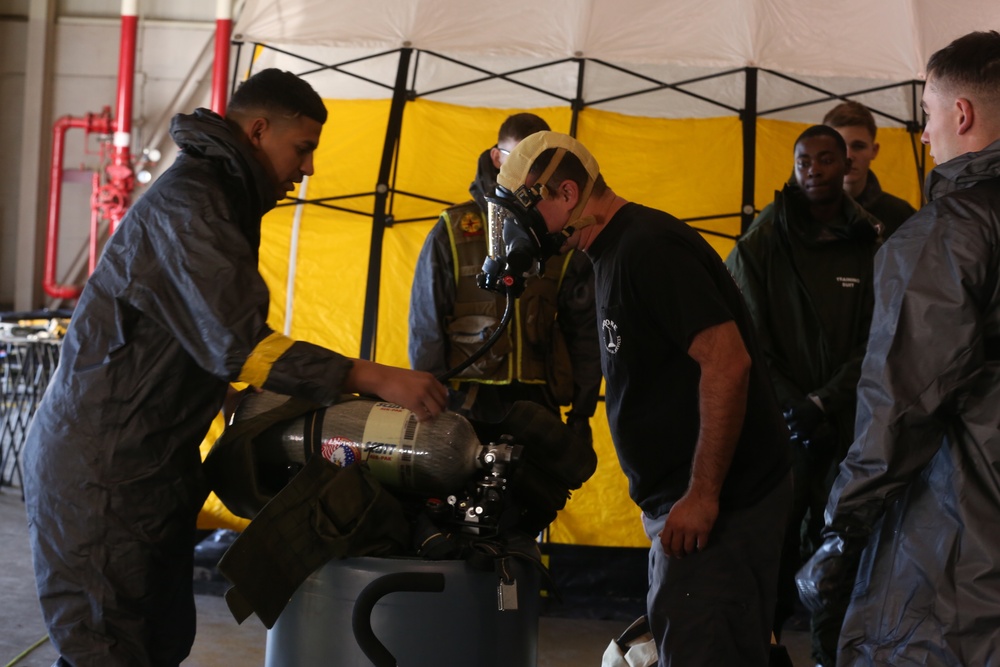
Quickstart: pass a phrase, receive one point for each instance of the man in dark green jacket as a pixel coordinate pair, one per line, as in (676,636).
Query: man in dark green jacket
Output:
(805,270)
(856,125)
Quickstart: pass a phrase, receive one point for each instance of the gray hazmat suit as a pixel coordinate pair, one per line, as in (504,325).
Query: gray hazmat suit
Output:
(923,475)
(113,478)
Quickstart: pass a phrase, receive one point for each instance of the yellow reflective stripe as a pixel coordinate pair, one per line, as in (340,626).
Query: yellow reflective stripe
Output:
(457,384)
(262,358)
(454,246)
(565,267)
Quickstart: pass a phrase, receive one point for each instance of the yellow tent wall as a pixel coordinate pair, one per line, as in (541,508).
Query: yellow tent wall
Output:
(688,167)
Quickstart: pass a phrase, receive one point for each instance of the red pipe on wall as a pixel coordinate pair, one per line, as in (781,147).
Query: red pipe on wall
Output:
(121,179)
(220,66)
(90,123)
(110,197)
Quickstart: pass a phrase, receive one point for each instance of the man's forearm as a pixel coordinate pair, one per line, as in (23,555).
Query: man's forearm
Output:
(725,376)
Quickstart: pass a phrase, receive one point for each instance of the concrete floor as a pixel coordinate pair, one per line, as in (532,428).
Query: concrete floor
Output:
(220,642)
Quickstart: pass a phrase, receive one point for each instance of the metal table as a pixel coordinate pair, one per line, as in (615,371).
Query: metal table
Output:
(28,358)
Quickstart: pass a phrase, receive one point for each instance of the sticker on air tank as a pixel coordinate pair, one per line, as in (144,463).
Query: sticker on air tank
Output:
(340,451)
(388,443)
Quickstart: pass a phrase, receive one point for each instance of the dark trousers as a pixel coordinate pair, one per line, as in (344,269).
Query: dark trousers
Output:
(812,472)
(715,607)
(113,594)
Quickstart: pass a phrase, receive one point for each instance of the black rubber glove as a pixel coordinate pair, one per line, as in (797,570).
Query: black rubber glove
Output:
(581,429)
(826,580)
(803,417)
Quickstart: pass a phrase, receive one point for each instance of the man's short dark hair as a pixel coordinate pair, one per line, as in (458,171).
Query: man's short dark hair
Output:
(824,131)
(274,92)
(520,126)
(851,114)
(569,169)
(969,66)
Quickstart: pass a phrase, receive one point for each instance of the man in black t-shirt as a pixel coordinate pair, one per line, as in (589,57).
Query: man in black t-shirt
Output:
(693,416)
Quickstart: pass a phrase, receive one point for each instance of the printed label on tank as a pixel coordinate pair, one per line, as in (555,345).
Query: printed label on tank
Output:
(382,438)
(407,448)
(341,451)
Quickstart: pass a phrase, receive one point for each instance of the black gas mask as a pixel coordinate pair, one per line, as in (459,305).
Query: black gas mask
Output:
(518,240)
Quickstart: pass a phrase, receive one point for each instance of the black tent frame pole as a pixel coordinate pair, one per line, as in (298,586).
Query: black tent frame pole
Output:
(916,129)
(749,119)
(385,188)
(381,217)
(577,105)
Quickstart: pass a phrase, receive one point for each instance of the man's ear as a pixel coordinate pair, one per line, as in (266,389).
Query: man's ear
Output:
(256,129)
(966,114)
(874,149)
(569,191)
(495,156)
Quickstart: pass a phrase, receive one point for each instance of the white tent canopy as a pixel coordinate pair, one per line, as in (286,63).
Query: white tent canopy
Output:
(689,106)
(843,47)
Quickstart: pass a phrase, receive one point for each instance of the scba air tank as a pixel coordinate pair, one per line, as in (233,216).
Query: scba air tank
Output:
(438,456)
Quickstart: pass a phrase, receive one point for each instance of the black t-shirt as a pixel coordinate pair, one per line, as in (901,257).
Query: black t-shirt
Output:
(658,285)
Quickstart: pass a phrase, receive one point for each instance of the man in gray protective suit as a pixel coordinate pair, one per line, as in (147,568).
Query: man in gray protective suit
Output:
(911,536)
(174,312)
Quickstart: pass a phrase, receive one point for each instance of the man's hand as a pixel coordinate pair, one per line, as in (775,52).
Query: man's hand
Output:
(581,428)
(803,418)
(689,524)
(416,391)
(722,398)
(826,580)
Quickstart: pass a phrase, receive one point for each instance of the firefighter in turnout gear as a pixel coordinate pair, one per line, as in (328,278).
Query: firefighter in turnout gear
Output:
(548,355)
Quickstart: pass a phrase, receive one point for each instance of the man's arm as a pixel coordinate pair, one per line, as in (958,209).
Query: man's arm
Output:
(432,298)
(417,391)
(747,272)
(578,322)
(722,392)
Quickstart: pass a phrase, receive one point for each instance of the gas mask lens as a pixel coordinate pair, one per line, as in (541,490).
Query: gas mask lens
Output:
(512,250)
(496,213)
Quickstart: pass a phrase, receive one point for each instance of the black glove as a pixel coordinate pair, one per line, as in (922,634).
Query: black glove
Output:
(803,417)
(581,429)
(826,580)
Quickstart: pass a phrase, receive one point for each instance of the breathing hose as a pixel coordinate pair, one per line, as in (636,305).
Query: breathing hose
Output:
(504,321)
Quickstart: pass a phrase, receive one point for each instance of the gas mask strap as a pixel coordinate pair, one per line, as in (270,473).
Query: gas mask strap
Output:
(543,180)
(575,222)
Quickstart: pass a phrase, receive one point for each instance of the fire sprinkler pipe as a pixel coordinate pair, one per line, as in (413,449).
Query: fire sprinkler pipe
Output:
(91,123)
(109,199)
(220,67)
(121,178)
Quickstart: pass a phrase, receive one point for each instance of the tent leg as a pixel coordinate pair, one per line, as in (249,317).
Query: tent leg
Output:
(749,119)
(381,218)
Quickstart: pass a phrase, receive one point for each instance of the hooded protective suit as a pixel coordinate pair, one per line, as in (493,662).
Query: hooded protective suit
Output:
(174,311)
(923,475)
